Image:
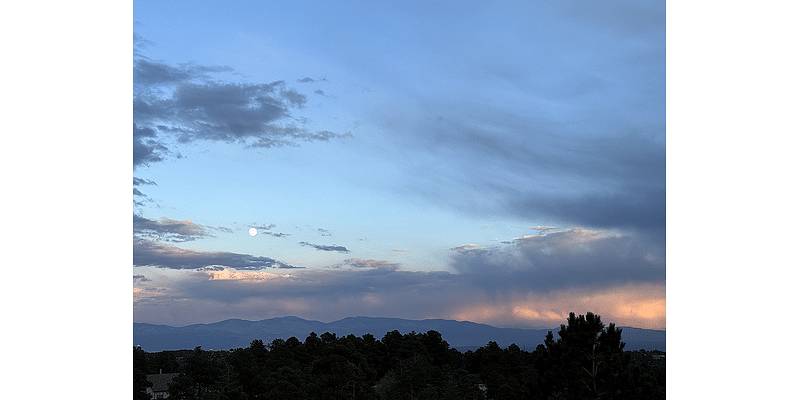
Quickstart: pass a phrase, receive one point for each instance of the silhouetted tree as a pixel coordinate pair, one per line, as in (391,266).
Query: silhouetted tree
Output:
(140,382)
(586,360)
(198,378)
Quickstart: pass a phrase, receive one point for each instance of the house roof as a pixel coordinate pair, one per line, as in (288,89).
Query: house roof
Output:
(161,381)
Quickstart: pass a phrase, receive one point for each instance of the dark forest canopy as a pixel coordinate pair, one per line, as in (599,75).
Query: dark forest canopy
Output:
(587,360)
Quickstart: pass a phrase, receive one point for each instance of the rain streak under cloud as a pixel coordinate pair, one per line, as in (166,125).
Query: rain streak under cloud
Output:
(502,164)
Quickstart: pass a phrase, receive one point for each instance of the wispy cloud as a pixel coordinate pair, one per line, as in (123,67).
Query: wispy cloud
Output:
(368,264)
(467,248)
(323,247)
(141,181)
(265,229)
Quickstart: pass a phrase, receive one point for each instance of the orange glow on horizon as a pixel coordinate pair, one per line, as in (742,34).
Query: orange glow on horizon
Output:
(641,306)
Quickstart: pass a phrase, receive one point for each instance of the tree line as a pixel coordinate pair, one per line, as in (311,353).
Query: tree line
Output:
(587,361)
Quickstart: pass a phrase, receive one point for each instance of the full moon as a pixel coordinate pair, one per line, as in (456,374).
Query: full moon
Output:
(253,231)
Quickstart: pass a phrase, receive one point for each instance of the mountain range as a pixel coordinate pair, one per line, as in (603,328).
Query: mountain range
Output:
(462,335)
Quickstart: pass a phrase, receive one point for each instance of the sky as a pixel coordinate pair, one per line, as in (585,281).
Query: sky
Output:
(496,163)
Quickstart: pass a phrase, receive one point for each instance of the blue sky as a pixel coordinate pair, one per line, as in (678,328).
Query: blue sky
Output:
(503,164)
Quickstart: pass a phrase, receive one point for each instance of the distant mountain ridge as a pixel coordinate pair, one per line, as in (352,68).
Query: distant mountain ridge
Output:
(462,335)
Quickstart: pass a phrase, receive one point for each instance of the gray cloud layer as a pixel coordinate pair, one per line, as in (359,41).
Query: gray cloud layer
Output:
(576,258)
(148,252)
(522,281)
(167,229)
(539,171)
(565,260)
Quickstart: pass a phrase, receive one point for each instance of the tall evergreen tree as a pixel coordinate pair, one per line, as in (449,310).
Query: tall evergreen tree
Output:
(586,360)
(140,382)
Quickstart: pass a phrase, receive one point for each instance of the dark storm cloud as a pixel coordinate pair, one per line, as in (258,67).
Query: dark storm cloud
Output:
(168,229)
(140,278)
(322,247)
(575,258)
(184,104)
(148,252)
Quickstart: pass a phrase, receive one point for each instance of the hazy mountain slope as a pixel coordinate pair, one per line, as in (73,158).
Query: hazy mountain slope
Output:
(234,333)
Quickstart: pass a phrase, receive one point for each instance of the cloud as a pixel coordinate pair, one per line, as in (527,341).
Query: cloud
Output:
(368,264)
(244,276)
(310,80)
(168,229)
(265,230)
(148,252)
(263,227)
(575,258)
(536,167)
(467,248)
(641,208)
(375,278)
(146,72)
(535,280)
(277,234)
(140,278)
(377,287)
(321,247)
(140,181)
(147,148)
(184,104)
(224,229)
